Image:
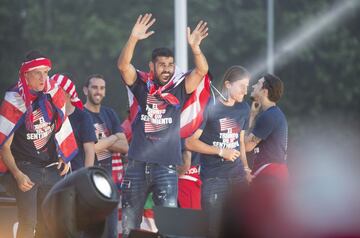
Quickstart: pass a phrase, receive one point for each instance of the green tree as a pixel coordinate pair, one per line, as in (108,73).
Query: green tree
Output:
(86,36)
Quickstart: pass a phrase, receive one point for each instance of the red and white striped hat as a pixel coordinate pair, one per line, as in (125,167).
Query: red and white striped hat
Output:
(69,87)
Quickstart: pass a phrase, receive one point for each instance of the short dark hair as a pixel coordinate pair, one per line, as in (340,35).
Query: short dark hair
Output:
(275,87)
(33,54)
(165,52)
(100,76)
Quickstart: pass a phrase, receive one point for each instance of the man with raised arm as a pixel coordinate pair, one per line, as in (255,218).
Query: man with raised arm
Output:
(156,147)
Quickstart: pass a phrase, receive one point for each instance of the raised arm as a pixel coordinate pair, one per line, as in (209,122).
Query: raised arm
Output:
(139,32)
(201,66)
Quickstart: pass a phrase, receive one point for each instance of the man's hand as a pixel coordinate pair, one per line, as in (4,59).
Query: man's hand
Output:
(255,108)
(200,32)
(141,26)
(249,177)
(66,167)
(230,154)
(194,38)
(139,32)
(182,169)
(23,181)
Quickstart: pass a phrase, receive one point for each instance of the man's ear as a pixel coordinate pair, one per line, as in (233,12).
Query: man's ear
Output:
(227,84)
(85,90)
(26,77)
(151,66)
(266,92)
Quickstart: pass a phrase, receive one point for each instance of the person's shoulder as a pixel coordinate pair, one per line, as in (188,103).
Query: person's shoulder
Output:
(12,94)
(280,114)
(213,105)
(141,76)
(82,113)
(243,106)
(279,110)
(266,115)
(13,90)
(107,109)
(272,114)
(275,111)
(81,117)
(89,112)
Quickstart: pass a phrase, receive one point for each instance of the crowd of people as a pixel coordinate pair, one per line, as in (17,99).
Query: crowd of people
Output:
(46,130)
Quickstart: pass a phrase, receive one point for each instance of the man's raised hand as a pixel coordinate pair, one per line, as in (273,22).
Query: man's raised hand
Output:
(143,23)
(199,33)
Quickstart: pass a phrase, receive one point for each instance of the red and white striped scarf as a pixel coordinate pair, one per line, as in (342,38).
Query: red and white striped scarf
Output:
(175,80)
(13,111)
(69,87)
(191,113)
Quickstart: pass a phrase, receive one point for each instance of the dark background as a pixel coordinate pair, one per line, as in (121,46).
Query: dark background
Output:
(82,37)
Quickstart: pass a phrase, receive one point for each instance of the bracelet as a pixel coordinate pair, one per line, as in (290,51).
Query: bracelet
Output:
(221,152)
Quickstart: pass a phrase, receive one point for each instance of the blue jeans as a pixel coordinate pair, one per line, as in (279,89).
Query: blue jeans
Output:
(29,203)
(140,179)
(111,224)
(213,195)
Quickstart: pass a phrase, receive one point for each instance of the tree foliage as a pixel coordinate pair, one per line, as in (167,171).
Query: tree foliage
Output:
(85,37)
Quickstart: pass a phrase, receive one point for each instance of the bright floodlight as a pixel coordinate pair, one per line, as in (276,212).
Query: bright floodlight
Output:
(102,185)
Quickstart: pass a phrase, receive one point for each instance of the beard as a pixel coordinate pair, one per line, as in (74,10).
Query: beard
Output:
(157,76)
(94,101)
(162,83)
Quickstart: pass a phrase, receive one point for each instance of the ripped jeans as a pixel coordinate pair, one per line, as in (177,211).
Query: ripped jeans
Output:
(213,195)
(140,179)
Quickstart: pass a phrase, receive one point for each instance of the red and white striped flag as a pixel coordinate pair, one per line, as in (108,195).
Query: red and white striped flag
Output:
(229,124)
(193,109)
(69,87)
